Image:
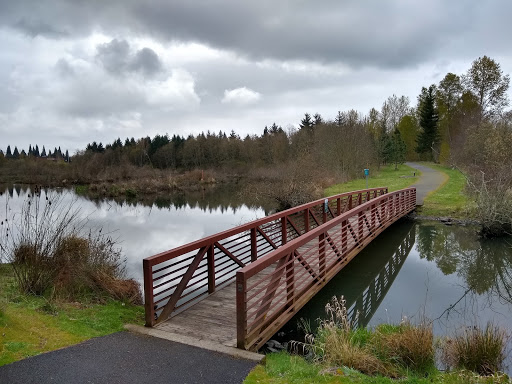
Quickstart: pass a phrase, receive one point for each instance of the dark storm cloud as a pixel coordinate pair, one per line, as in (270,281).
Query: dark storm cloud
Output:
(38,28)
(117,58)
(146,61)
(393,33)
(114,55)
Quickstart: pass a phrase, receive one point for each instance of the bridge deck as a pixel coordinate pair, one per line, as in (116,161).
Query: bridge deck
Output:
(213,318)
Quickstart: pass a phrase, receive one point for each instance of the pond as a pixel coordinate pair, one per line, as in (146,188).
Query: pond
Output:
(419,270)
(145,228)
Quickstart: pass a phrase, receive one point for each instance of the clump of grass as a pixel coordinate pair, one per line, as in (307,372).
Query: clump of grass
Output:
(389,350)
(481,350)
(51,253)
(409,346)
(336,343)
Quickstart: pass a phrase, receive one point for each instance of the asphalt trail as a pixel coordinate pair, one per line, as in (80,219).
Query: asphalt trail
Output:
(429,181)
(127,358)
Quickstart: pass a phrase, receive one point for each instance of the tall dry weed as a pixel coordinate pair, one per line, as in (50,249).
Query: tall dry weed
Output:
(481,350)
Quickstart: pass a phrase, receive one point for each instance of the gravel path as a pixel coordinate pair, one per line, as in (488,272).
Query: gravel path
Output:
(127,358)
(429,181)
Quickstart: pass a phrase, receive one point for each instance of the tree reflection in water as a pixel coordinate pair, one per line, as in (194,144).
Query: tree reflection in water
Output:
(483,266)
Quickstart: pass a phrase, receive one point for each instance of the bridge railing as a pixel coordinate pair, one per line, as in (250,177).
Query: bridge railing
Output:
(176,279)
(272,289)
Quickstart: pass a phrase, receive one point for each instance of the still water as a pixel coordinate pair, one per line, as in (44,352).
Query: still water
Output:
(146,228)
(416,270)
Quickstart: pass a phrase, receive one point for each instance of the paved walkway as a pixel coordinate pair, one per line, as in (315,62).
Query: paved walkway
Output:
(127,358)
(429,181)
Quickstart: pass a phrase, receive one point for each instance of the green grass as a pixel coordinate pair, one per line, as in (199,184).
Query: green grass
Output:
(450,199)
(385,177)
(31,325)
(285,368)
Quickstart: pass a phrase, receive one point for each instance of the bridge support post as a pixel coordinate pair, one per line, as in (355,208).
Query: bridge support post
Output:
(254,245)
(306,220)
(344,238)
(211,269)
(148,293)
(241,310)
(321,255)
(283,231)
(290,280)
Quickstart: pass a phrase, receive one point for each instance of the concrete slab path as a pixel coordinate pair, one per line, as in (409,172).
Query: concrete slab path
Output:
(127,358)
(429,181)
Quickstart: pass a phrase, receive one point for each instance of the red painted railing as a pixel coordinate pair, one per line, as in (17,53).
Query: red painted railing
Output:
(176,279)
(273,288)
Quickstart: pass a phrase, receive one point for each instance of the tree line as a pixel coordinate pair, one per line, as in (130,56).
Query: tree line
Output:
(33,152)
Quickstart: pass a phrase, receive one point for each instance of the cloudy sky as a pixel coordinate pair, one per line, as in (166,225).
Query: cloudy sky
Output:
(76,71)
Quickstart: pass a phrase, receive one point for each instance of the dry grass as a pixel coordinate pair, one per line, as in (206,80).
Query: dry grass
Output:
(51,253)
(410,346)
(388,350)
(481,350)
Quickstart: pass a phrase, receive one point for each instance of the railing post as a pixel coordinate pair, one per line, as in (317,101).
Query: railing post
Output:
(373,218)
(360,227)
(148,293)
(350,202)
(254,245)
(306,220)
(211,269)
(241,310)
(284,237)
(321,254)
(290,280)
(344,238)
(338,206)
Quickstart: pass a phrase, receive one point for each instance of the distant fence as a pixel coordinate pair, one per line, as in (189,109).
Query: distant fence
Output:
(176,279)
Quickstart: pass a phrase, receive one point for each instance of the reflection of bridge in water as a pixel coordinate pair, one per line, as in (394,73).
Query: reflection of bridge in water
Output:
(363,283)
(362,309)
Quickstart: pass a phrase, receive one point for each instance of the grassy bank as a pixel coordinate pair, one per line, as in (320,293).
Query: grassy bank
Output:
(450,199)
(387,176)
(285,368)
(31,325)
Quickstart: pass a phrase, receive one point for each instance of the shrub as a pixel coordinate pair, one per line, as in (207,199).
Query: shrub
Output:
(50,252)
(479,350)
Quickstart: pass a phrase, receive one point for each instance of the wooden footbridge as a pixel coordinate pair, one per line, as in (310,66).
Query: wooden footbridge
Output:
(240,286)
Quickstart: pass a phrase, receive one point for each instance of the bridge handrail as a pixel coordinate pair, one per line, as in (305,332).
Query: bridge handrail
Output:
(178,277)
(265,305)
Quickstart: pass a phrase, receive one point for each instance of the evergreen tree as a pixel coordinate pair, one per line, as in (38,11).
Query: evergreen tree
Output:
(428,137)
(16,154)
(67,156)
(8,153)
(340,119)
(43,153)
(30,150)
(398,148)
(307,123)
(36,151)
(318,119)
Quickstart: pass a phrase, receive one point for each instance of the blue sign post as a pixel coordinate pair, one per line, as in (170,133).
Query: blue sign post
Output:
(366,174)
